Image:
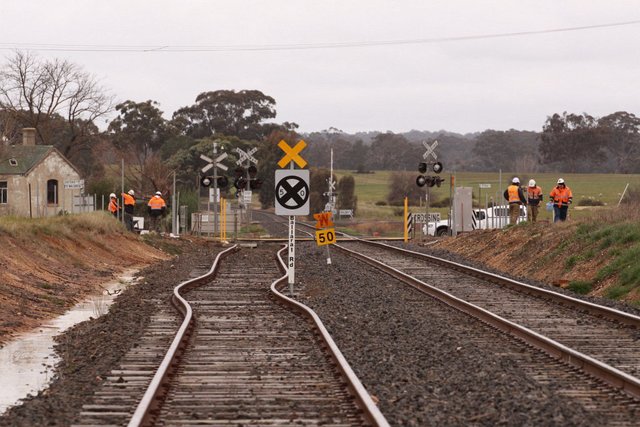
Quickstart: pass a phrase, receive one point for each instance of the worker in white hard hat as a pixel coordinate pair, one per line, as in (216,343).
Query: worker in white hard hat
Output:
(129,202)
(515,196)
(534,197)
(157,208)
(113,205)
(561,197)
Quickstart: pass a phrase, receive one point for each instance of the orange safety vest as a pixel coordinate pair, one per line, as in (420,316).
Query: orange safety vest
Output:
(514,197)
(113,206)
(156,203)
(561,196)
(128,199)
(534,194)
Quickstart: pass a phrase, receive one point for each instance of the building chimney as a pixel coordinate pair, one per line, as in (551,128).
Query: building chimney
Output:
(28,136)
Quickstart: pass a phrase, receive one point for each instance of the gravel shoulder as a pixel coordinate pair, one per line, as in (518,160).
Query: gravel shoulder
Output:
(91,349)
(428,364)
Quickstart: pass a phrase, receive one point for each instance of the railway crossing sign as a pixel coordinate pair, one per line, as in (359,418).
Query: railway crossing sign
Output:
(292,192)
(248,155)
(430,149)
(214,162)
(292,154)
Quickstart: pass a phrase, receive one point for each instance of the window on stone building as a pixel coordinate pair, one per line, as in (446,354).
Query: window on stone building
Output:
(52,192)
(3,192)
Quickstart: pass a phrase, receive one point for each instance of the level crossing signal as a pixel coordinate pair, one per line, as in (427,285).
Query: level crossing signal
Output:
(206,181)
(429,180)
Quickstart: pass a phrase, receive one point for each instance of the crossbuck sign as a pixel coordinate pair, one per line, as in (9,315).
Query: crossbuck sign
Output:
(242,156)
(214,162)
(430,149)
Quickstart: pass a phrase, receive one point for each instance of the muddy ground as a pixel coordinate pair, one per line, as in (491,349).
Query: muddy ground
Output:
(91,349)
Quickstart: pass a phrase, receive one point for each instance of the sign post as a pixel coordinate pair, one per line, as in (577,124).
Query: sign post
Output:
(430,152)
(248,156)
(480,187)
(215,164)
(292,196)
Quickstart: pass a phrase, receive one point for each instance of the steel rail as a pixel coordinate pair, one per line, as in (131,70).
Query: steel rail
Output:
(144,413)
(607,373)
(600,310)
(370,411)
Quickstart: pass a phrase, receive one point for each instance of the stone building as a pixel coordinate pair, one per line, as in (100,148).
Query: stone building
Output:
(36,180)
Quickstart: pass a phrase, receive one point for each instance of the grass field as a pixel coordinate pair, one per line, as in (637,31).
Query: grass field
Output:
(607,188)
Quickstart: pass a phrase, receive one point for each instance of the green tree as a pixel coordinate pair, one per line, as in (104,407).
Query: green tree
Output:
(403,184)
(227,112)
(139,131)
(572,141)
(391,151)
(506,150)
(622,136)
(346,193)
(318,186)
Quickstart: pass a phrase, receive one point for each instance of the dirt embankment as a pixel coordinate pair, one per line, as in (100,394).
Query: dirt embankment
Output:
(533,251)
(42,277)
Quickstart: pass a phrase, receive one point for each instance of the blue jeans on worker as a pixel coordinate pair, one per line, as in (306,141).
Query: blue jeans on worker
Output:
(560,213)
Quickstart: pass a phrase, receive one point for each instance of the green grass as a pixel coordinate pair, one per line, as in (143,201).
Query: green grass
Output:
(580,286)
(617,236)
(372,188)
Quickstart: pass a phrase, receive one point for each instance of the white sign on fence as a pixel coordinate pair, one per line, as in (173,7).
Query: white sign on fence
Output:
(246,194)
(484,185)
(422,217)
(213,196)
(346,212)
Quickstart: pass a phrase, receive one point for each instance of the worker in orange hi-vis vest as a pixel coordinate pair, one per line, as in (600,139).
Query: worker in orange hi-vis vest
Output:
(129,202)
(561,197)
(534,197)
(157,207)
(515,196)
(113,205)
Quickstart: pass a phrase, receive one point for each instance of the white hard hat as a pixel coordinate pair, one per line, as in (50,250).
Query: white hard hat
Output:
(112,195)
(515,180)
(131,192)
(158,193)
(532,183)
(560,181)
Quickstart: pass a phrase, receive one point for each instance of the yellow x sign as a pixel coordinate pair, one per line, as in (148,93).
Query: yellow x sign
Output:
(292,154)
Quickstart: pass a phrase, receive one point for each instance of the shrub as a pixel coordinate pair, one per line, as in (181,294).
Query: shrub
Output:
(590,202)
(381,203)
(580,286)
(443,203)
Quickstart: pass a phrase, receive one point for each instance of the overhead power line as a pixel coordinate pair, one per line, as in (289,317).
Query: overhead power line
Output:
(292,46)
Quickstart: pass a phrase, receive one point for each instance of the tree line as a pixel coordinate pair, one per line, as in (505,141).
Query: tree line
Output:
(64,104)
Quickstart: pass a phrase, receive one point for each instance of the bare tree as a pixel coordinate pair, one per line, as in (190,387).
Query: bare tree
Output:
(56,97)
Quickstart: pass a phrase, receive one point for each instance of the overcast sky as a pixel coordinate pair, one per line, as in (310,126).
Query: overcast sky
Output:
(464,85)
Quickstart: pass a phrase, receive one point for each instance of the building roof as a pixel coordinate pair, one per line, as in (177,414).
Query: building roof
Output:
(20,159)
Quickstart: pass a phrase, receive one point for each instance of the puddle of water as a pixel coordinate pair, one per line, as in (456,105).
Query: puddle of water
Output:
(27,363)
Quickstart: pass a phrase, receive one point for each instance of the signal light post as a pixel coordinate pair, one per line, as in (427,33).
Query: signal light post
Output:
(428,180)
(217,181)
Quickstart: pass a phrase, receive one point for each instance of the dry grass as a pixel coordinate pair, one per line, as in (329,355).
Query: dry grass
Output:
(63,226)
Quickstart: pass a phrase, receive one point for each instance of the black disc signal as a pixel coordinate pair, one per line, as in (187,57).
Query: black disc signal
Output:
(223,181)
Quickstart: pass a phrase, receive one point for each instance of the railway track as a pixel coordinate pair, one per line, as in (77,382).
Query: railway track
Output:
(601,341)
(244,360)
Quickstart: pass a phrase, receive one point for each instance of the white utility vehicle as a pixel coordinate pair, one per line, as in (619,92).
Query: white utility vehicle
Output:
(483,219)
